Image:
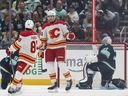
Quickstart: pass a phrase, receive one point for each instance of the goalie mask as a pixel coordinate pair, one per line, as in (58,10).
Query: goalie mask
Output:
(107,40)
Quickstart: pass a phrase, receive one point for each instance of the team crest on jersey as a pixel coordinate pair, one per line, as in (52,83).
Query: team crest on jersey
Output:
(54,33)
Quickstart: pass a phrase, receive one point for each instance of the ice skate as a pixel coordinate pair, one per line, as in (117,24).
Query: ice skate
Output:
(69,85)
(53,88)
(13,89)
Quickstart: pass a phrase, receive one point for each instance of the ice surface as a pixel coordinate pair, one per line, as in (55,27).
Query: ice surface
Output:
(42,91)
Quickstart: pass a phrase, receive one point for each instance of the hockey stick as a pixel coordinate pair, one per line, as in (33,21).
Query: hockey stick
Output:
(58,76)
(13,72)
(43,70)
(39,60)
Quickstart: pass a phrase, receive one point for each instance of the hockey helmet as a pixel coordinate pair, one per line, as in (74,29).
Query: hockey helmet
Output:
(106,39)
(104,35)
(51,13)
(29,24)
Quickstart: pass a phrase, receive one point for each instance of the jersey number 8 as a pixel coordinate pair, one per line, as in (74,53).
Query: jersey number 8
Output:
(33,47)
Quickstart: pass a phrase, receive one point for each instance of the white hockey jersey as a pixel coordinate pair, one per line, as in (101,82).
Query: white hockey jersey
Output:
(27,45)
(54,34)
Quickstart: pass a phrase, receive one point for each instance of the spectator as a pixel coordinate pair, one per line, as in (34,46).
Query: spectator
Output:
(85,16)
(5,32)
(38,22)
(19,23)
(15,4)
(68,21)
(79,33)
(73,14)
(65,4)
(112,5)
(41,14)
(6,11)
(5,41)
(32,4)
(23,10)
(79,5)
(107,21)
(60,12)
(5,24)
(88,33)
(47,5)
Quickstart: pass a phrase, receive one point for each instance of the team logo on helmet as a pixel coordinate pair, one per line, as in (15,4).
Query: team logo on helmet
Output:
(29,24)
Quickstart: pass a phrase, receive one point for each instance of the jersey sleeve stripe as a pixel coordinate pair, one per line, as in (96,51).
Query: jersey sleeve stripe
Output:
(43,40)
(16,46)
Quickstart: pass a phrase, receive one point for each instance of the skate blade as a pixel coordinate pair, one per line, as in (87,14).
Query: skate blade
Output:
(67,91)
(19,93)
(53,91)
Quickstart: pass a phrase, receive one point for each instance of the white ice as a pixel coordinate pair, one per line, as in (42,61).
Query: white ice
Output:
(42,91)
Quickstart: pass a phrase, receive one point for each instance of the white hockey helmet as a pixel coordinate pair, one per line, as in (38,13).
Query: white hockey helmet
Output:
(29,24)
(51,13)
(107,40)
(51,16)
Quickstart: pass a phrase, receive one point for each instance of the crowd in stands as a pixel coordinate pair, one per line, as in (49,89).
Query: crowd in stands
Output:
(77,14)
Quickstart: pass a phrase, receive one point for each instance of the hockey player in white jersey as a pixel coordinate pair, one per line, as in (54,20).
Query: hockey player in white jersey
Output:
(54,34)
(27,44)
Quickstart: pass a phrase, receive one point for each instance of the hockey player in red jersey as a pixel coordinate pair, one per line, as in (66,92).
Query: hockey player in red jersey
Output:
(54,34)
(27,44)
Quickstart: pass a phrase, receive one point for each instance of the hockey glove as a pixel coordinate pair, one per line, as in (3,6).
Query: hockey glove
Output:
(8,52)
(41,53)
(70,36)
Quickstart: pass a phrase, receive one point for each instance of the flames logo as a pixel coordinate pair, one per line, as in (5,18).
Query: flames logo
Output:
(54,33)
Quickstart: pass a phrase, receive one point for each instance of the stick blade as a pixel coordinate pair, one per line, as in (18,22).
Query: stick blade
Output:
(44,70)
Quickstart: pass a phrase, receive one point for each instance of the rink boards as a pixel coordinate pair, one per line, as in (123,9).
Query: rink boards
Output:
(77,55)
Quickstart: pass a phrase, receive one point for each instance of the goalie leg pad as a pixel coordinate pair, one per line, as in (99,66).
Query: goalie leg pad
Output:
(5,80)
(84,85)
(119,83)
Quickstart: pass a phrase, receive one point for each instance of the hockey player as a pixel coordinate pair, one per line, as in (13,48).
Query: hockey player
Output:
(54,34)
(27,44)
(6,69)
(105,65)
